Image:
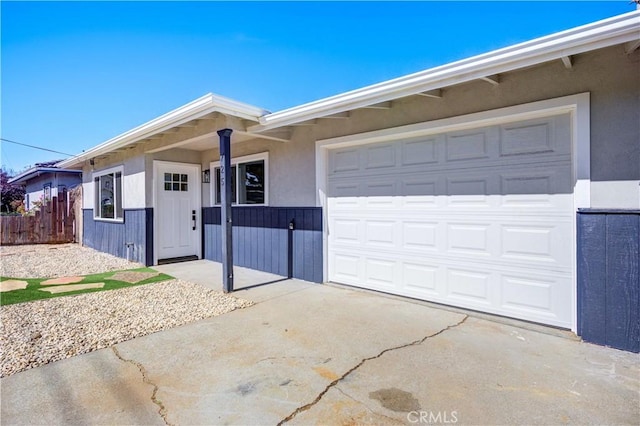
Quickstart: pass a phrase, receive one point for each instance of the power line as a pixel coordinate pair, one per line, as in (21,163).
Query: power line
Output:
(35,147)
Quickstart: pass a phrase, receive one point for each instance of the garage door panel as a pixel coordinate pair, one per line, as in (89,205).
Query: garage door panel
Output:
(380,156)
(346,268)
(468,145)
(547,204)
(419,152)
(532,297)
(541,205)
(344,160)
(530,179)
(380,189)
(539,136)
(480,218)
(420,235)
(526,138)
(419,187)
(525,293)
(381,272)
(469,185)
(469,285)
(421,279)
(380,233)
(344,190)
(346,231)
(529,294)
(468,238)
(528,242)
(492,179)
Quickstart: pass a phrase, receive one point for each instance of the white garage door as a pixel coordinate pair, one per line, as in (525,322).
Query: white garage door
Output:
(480,218)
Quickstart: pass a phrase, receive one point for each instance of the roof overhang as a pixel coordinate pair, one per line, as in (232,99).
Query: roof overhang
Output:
(193,110)
(613,31)
(37,171)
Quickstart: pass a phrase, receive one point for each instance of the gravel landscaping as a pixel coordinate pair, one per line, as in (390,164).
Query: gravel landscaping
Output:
(43,331)
(59,260)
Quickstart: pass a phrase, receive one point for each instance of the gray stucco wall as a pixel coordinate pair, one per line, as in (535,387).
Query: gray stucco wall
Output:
(609,75)
(292,177)
(138,174)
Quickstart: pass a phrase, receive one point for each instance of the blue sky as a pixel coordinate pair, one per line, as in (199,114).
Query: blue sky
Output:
(75,74)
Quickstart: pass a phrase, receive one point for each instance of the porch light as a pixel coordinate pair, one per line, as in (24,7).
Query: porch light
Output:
(206,176)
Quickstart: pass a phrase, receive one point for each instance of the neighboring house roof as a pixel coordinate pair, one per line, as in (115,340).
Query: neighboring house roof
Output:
(559,46)
(37,171)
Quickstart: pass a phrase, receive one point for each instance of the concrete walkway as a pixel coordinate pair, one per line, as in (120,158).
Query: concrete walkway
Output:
(318,354)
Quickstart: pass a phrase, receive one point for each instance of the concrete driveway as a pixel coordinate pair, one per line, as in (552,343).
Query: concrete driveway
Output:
(319,354)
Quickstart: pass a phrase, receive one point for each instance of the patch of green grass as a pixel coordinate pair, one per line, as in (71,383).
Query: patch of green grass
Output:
(34,292)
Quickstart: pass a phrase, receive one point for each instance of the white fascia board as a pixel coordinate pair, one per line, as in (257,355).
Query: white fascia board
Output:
(608,32)
(191,111)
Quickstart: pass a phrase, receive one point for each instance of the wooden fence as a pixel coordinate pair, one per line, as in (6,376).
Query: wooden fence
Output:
(53,223)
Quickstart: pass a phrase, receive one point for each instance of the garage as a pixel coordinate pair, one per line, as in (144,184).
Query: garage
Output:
(475,216)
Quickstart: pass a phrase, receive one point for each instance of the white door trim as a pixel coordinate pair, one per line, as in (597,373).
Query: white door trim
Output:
(154,183)
(578,105)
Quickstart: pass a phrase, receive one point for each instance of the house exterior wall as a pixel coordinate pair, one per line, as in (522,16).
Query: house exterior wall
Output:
(609,75)
(34,187)
(608,278)
(130,239)
(291,169)
(133,237)
(280,240)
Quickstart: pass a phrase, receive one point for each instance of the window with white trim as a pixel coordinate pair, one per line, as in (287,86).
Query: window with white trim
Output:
(108,194)
(46,192)
(249,180)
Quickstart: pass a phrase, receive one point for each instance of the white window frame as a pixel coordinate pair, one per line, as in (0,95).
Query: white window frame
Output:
(96,193)
(235,162)
(47,188)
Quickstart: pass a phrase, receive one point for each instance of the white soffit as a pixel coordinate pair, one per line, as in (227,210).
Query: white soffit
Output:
(608,32)
(198,108)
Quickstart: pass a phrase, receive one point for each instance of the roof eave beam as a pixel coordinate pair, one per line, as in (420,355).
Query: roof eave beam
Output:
(379,105)
(436,94)
(306,123)
(493,79)
(567,61)
(631,47)
(339,115)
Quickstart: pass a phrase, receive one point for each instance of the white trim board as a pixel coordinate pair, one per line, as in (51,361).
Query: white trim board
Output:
(577,105)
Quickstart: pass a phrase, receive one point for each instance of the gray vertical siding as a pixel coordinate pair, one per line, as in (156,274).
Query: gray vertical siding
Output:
(608,278)
(260,239)
(113,237)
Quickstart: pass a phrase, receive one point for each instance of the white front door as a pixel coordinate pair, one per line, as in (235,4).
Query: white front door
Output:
(177,209)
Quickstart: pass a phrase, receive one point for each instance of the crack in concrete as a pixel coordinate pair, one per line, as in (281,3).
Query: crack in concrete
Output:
(162,410)
(339,379)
